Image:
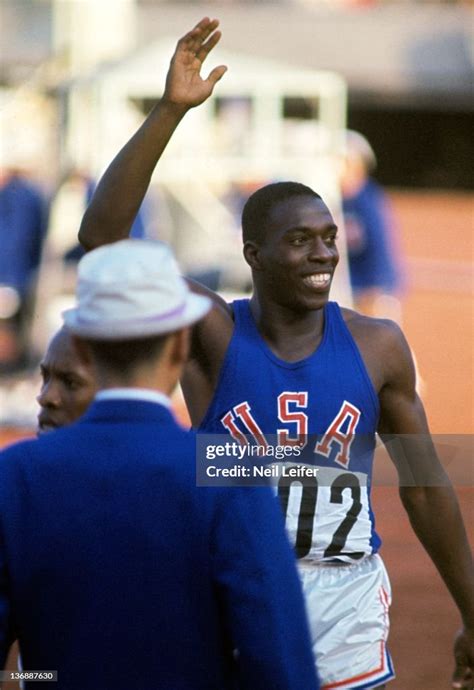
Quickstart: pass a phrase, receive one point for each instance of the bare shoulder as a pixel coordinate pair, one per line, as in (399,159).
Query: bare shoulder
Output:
(218,302)
(387,333)
(211,335)
(383,347)
(210,339)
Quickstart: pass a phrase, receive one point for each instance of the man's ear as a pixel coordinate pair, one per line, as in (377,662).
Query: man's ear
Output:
(252,255)
(179,346)
(82,349)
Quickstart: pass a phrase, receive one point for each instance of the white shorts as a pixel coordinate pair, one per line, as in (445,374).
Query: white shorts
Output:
(347,608)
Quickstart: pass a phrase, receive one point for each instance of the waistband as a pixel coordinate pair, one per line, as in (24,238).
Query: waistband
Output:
(333,562)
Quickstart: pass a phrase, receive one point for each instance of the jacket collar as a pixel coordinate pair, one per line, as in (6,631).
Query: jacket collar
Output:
(128,411)
(134,394)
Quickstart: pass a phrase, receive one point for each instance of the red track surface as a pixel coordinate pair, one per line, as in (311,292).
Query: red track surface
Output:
(437,315)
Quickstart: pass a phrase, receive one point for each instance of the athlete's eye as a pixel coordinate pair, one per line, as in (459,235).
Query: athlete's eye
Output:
(299,240)
(71,383)
(331,240)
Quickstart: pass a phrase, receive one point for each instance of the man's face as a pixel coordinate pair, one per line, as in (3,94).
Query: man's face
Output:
(68,386)
(299,255)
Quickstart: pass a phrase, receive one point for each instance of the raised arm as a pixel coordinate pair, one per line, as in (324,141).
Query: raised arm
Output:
(427,493)
(121,189)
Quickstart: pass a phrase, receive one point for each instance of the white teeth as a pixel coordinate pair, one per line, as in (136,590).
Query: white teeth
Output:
(317,280)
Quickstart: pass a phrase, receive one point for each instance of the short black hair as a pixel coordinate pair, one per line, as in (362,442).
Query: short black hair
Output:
(124,356)
(259,204)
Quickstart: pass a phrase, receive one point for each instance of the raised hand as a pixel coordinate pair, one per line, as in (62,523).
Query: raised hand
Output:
(184,84)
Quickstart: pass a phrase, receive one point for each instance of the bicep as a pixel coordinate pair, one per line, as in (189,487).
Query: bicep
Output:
(403,424)
(211,335)
(215,327)
(210,339)
(401,409)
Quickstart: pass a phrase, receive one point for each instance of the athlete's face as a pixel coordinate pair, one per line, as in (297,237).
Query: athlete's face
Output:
(68,386)
(298,256)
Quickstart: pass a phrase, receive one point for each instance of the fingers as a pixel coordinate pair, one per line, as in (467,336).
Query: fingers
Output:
(206,47)
(463,678)
(216,74)
(206,30)
(201,40)
(194,39)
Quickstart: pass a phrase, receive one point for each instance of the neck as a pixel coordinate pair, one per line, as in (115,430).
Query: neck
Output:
(291,334)
(158,380)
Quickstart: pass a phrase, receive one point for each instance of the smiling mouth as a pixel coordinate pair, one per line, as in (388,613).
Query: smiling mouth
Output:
(317,280)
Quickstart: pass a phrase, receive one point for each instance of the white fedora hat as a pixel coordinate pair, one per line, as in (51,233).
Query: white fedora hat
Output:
(132,289)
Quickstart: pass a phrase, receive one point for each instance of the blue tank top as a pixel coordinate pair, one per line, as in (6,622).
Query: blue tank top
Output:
(324,403)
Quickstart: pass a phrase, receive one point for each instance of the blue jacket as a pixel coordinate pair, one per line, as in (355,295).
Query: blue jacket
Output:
(118,572)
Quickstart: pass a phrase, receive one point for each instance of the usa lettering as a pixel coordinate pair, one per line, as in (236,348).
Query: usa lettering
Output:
(291,412)
(348,418)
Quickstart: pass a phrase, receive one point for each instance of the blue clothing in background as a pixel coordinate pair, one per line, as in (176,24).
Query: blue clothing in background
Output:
(137,231)
(22,230)
(372,257)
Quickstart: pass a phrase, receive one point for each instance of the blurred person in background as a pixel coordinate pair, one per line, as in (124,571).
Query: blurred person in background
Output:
(374,258)
(68,204)
(23,214)
(68,385)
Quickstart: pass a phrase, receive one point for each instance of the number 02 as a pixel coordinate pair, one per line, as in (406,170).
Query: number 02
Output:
(304,531)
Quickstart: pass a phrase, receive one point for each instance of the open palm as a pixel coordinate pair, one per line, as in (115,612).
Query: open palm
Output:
(184,84)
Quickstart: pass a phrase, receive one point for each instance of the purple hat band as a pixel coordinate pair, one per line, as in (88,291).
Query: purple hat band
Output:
(147,319)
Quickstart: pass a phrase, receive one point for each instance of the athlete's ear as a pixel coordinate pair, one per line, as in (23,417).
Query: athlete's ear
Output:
(180,346)
(252,255)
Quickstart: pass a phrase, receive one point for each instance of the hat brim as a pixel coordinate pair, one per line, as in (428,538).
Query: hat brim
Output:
(194,309)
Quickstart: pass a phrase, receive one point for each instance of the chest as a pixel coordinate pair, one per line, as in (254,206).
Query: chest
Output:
(258,394)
